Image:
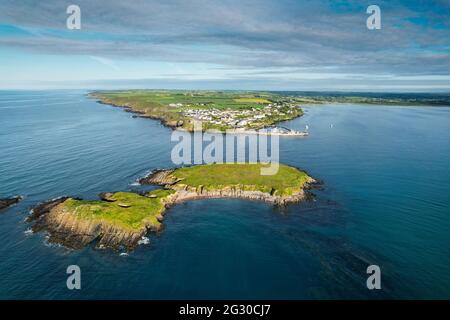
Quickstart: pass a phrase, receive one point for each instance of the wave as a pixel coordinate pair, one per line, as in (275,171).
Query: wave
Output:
(144,240)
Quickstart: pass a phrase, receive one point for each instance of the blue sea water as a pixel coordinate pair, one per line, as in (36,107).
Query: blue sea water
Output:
(385,201)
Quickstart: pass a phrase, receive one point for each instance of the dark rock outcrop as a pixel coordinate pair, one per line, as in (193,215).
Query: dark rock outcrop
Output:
(76,224)
(5,203)
(160,177)
(41,209)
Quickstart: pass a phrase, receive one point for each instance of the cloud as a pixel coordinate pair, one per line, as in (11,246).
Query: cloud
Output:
(252,36)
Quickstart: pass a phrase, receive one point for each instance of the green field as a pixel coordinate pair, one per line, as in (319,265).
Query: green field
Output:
(252,100)
(170,106)
(126,210)
(285,182)
(153,98)
(179,109)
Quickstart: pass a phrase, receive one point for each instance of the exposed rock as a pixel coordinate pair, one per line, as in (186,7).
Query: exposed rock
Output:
(107,196)
(159,177)
(66,227)
(5,203)
(185,192)
(112,222)
(139,114)
(43,208)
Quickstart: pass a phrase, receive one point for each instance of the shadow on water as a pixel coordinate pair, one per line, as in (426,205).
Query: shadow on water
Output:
(342,263)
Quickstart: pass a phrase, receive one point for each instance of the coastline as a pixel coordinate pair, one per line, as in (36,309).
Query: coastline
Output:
(179,124)
(139,114)
(8,202)
(76,223)
(185,192)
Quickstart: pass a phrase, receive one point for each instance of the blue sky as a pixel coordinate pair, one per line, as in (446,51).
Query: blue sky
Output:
(245,44)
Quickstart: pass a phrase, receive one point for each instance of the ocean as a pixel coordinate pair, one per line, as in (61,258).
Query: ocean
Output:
(384,201)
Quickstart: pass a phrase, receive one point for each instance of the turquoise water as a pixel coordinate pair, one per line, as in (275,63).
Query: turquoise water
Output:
(385,201)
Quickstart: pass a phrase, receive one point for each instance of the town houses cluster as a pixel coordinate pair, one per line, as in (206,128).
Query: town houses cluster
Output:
(239,118)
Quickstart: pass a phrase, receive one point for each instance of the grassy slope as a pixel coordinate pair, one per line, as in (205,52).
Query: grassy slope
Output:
(142,211)
(220,100)
(287,181)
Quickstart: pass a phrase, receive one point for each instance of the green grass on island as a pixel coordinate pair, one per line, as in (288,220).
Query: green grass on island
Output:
(124,209)
(287,181)
(222,110)
(132,212)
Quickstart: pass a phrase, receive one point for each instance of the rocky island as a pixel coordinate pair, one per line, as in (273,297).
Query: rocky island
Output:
(7,202)
(120,220)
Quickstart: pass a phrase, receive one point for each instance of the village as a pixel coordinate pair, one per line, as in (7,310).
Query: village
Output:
(242,118)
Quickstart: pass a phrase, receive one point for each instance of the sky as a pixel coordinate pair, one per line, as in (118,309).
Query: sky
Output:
(297,45)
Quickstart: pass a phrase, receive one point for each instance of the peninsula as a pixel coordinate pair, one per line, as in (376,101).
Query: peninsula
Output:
(243,111)
(120,220)
(215,110)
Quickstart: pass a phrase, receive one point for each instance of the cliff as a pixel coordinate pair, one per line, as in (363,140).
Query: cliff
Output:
(119,220)
(185,192)
(234,181)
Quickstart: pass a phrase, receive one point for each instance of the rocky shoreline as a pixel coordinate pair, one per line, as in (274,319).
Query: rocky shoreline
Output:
(76,223)
(64,227)
(8,202)
(178,124)
(174,125)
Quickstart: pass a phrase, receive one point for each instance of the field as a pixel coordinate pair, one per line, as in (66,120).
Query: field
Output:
(285,182)
(126,210)
(217,99)
(223,110)
(215,109)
